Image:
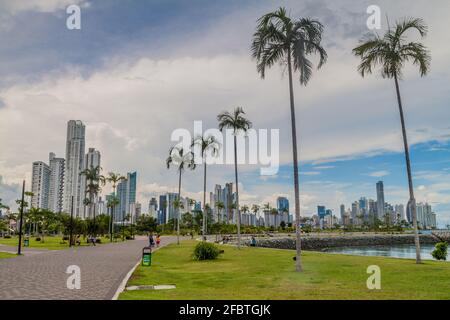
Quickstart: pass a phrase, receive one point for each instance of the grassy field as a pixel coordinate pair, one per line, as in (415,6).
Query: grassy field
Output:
(51,243)
(259,273)
(4,255)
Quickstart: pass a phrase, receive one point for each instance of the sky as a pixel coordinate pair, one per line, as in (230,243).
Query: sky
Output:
(137,70)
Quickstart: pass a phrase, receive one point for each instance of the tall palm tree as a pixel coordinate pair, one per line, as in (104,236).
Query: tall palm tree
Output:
(182,159)
(238,123)
(114,179)
(279,38)
(206,144)
(391,52)
(94,179)
(255,210)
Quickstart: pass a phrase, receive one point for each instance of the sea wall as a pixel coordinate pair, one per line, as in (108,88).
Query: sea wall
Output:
(321,242)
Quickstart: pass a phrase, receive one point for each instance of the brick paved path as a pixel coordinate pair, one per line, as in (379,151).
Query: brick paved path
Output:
(43,275)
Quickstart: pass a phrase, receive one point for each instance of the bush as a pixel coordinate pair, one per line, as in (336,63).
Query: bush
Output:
(440,251)
(38,239)
(7,236)
(206,251)
(65,238)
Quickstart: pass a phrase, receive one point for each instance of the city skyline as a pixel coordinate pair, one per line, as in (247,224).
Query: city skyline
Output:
(132,98)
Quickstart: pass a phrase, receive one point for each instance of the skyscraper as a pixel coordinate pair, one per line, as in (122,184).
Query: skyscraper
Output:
(56,187)
(380,200)
(91,161)
(40,185)
(321,211)
(162,217)
(126,193)
(75,145)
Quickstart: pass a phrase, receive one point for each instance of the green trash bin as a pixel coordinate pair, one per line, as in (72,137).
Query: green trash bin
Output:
(147,256)
(26,242)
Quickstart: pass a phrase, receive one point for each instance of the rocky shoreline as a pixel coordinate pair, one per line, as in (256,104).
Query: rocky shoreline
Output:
(315,243)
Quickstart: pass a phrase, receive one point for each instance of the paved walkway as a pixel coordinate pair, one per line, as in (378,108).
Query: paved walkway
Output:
(43,275)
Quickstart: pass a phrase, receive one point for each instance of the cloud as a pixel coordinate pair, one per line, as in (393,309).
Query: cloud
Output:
(379,174)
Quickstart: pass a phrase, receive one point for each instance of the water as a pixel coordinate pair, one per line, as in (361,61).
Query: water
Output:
(398,251)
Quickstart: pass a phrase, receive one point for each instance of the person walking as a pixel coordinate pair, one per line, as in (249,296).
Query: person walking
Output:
(158,240)
(151,241)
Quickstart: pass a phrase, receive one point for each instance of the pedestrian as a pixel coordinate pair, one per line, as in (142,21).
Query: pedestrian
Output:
(151,242)
(253,243)
(158,240)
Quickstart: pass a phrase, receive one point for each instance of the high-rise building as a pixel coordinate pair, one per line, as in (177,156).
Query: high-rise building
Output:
(400,212)
(282,204)
(40,185)
(126,193)
(342,212)
(162,217)
(56,187)
(75,145)
(380,200)
(91,161)
(153,208)
(321,211)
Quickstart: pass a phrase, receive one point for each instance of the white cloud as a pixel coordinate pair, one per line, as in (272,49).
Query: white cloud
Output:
(379,174)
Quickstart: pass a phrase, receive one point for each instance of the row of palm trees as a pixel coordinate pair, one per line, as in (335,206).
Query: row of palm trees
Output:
(282,39)
(183,159)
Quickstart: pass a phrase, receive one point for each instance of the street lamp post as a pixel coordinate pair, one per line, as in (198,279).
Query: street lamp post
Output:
(19,248)
(71,223)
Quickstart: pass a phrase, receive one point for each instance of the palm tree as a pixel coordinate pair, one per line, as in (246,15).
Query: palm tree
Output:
(279,38)
(182,159)
(206,144)
(391,52)
(94,180)
(255,210)
(114,179)
(238,123)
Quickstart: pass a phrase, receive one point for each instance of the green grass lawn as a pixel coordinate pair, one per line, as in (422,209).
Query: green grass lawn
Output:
(50,242)
(4,255)
(259,273)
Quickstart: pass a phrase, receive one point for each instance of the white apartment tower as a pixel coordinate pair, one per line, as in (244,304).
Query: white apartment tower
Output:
(40,184)
(56,187)
(91,161)
(75,145)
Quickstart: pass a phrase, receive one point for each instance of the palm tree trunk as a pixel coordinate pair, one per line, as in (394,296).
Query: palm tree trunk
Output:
(179,209)
(237,193)
(298,262)
(412,200)
(204,201)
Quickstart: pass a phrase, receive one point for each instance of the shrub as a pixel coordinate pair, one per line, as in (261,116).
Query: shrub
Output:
(7,236)
(206,251)
(65,238)
(440,251)
(38,239)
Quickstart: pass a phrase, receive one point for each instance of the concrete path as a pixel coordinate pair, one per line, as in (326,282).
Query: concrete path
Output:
(43,275)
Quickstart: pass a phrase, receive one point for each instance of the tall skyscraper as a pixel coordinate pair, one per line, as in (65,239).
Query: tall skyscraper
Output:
(342,212)
(75,145)
(56,188)
(282,204)
(91,161)
(321,211)
(126,193)
(153,208)
(40,185)
(162,217)
(380,200)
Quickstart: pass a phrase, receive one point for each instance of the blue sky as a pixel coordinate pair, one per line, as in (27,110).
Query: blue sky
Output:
(137,70)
